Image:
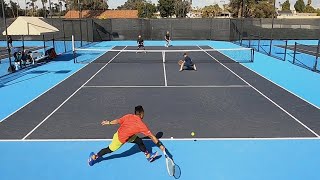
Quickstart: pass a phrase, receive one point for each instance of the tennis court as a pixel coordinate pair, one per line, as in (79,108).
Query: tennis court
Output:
(246,126)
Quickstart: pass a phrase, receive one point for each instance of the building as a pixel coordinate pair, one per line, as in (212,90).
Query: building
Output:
(292,14)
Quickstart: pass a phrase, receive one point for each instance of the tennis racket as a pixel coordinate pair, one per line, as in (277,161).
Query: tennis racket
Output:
(170,164)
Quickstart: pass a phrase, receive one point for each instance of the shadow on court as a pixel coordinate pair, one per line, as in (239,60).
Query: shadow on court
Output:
(135,149)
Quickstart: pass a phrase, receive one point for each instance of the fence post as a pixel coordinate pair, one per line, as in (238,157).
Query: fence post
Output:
(270,50)
(259,39)
(317,57)
(285,51)
(294,52)
(44,44)
(64,37)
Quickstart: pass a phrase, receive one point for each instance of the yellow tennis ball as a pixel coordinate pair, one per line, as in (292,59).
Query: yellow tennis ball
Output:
(192,133)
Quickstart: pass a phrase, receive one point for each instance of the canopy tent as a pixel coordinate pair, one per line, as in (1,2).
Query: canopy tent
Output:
(28,26)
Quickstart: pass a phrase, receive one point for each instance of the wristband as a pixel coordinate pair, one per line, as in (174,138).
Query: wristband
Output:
(109,122)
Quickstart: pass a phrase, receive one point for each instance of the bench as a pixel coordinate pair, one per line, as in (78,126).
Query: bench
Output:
(38,56)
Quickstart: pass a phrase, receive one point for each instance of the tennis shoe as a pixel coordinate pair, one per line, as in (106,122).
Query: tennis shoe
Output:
(91,161)
(152,156)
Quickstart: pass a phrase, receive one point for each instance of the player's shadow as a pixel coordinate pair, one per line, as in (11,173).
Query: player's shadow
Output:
(135,149)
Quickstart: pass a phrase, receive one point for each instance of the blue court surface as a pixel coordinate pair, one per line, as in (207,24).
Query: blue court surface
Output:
(252,120)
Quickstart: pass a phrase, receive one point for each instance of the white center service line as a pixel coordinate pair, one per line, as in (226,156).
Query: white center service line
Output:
(164,69)
(70,96)
(293,117)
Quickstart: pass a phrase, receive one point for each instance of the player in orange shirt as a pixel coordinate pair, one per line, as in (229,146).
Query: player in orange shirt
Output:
(130,126)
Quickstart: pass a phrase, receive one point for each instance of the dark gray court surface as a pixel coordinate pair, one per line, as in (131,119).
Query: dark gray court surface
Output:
(219,100)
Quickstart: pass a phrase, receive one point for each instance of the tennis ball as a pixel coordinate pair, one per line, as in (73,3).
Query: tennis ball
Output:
(192,133)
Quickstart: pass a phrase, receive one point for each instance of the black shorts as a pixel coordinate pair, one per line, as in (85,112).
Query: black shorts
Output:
(140,45)
(190,64)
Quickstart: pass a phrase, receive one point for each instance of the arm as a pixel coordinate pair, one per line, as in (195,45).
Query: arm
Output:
(106,122)
(157,142)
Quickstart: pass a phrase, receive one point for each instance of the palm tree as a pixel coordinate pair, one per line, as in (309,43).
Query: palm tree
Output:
(44,8)
(32,4)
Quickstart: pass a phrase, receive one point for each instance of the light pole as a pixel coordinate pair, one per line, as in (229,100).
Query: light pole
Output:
(6,30)
(272,23)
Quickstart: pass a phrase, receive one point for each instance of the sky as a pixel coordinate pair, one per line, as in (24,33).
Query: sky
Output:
(196,3)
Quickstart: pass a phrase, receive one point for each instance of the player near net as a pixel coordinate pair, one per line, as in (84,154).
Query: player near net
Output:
(140,43)
(168,39)
(186,63)
(130,126)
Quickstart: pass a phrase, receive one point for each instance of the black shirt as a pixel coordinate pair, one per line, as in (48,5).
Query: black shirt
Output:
(188,60)
(140,41)
(167,36)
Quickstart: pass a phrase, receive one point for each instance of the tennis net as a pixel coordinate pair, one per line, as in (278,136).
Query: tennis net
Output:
(240,55)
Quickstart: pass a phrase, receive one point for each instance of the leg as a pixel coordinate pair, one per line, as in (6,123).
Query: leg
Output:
(115,145)
(181,67)
(135,139)
(194,67)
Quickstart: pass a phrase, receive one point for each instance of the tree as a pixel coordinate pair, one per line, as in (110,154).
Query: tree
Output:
(309,2)
(14,9)
(299,6)
(166,8)
(309,9)
(146,10)
(181,8)
(236,7)
(318,12)
(44,9)
(286,5)
(264,10)
(132,4)
(211,11)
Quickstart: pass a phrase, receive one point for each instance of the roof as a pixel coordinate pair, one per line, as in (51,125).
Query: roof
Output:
(108,14)
(30,26)
(119,14)
(73,14)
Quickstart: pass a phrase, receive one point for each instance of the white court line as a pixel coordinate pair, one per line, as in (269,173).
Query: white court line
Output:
(164,69)
(226,86)
(2,120)
(278,85)
(70,96)
(167,139)
(296,119)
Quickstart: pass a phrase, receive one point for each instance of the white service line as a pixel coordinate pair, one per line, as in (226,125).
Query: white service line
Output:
(166,139)
(70,97)
(218,86)
(293,117)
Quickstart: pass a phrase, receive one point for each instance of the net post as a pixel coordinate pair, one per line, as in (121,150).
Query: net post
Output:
(294,52)
(73,49)
(270,50)
(252,55)
(285,51)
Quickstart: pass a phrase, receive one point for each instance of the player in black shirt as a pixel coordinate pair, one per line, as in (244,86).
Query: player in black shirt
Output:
(168,39)
(140,43)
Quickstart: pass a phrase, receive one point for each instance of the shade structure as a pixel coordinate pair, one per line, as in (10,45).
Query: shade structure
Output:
(29,26)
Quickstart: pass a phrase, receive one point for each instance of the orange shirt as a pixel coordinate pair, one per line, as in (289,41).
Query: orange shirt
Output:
(130,125)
